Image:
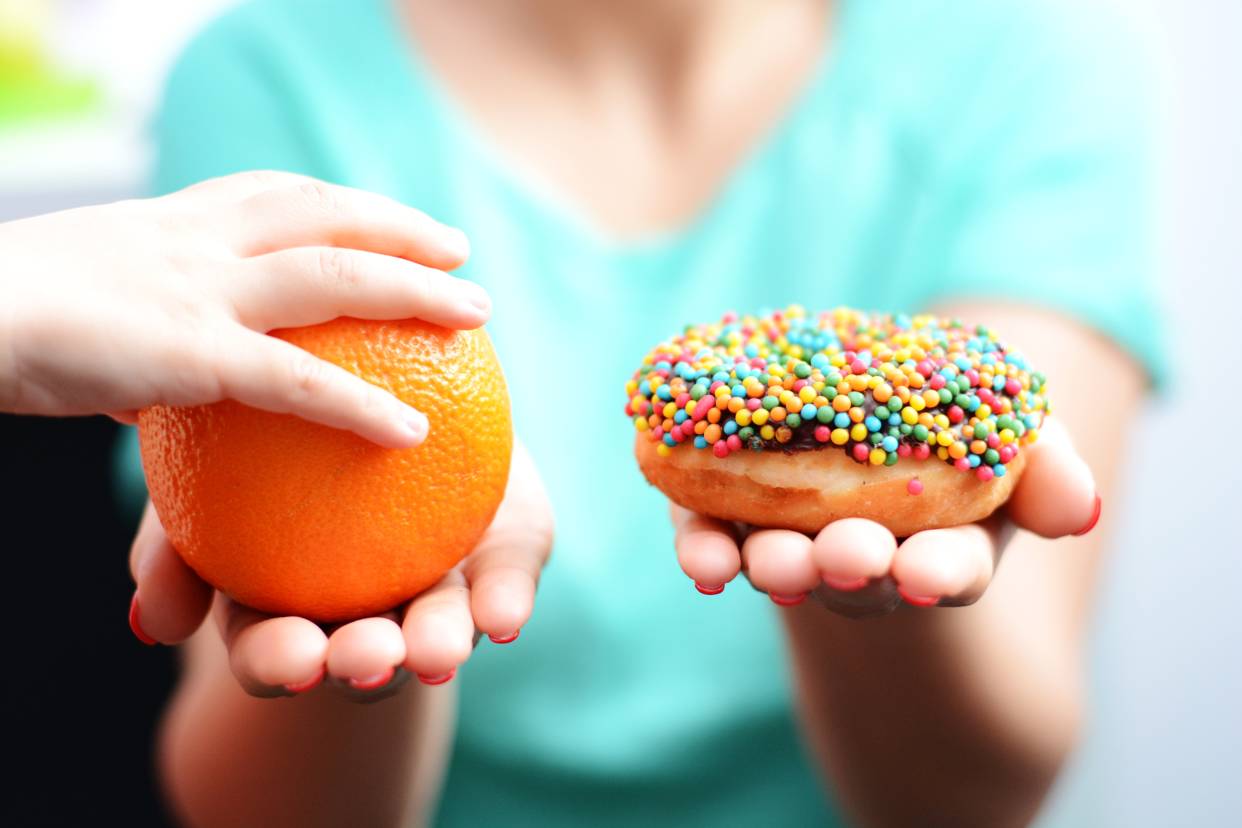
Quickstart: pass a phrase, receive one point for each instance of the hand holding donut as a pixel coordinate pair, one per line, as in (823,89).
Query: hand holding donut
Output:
(877,449)
(857,568)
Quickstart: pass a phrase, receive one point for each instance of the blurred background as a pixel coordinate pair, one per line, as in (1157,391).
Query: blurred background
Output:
(79,84)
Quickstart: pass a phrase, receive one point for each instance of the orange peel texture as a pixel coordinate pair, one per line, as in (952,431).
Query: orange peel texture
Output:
(295,518)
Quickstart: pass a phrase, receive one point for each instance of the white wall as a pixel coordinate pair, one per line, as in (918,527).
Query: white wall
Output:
(1165,748)
(125,48)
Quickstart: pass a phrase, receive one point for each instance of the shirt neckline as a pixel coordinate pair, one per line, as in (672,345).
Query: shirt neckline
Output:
(558,210)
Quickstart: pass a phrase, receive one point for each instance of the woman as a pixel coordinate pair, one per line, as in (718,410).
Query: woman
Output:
(622,168)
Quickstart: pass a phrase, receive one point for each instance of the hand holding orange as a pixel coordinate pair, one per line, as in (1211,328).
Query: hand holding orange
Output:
(295,518)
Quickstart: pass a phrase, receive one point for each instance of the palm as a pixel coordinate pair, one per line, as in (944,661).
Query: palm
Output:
(857,568)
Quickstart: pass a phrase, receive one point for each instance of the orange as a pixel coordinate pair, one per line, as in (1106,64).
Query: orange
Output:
(296,518)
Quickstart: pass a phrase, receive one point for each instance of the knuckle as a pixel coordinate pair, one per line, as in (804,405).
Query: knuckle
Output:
(309,376)
(262,178)
(173,224)
(428,285)
(205,368)
(268,178)
(339,268)
(323,198)
(243,182)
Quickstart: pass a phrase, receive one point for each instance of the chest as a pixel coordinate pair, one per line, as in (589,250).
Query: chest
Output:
(637,137)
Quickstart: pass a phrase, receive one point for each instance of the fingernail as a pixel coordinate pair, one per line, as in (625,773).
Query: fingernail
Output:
(474,294)
(1095,518)
(918,600)
(135,625)
(845,586)
(440,679)
(505,639)
(306,685)
(377,680)
(709,590)
(416,423)
(787,600)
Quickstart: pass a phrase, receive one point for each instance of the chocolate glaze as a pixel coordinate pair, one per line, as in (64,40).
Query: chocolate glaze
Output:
(804,435)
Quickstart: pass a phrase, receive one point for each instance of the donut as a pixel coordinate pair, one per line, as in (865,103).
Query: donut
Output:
(794,420)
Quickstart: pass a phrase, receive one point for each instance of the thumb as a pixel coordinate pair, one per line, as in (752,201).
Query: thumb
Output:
(171,601)
(1056,494)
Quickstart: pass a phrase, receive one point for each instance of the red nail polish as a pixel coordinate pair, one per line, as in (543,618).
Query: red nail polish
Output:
(709,590)
(845,586)
(918,600)
(787,600)
(440,679)
(135,626)
(378,680)
(1095,517)
(306,685)
(506,639)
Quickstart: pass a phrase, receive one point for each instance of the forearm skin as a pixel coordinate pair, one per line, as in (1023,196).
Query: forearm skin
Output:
(228,759)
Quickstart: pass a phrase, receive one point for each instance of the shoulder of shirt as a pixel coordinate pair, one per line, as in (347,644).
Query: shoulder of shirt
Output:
(944,76)
(284,28)
(956,44)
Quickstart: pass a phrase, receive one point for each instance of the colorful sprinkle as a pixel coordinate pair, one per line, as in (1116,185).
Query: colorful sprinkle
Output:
(880,387)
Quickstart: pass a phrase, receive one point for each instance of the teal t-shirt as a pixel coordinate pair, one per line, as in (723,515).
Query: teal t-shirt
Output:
(944,149)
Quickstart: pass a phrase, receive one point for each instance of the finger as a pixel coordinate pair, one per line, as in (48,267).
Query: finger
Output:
(171,601)
(439,629)
(273,375)
(946,566)
(271,656)
(365,653)
(129,417)
(853,557)
(230,189)
(707,549)
(1055,496)
(309,285)
(315,214)
(149,530)
(503,570)
(503,574)
(851,552)
(780,563)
